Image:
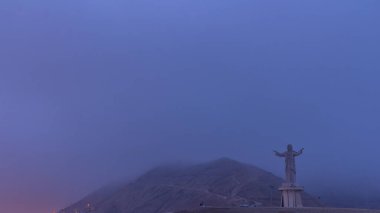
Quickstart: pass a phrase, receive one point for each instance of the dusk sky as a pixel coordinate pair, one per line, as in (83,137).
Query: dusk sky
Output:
(94,91)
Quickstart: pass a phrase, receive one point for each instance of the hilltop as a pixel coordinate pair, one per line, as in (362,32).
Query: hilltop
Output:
(220,183)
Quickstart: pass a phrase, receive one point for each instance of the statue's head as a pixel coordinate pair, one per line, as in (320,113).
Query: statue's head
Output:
(290,147)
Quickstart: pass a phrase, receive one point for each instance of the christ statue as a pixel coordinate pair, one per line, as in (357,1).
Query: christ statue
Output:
(290,168)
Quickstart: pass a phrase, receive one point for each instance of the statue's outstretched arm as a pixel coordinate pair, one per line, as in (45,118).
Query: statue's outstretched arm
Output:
(279,154)
(299,152)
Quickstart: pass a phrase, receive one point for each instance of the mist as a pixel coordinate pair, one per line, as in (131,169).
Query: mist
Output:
(97,91)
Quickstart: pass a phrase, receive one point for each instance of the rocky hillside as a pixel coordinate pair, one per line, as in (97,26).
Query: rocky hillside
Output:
(221,183)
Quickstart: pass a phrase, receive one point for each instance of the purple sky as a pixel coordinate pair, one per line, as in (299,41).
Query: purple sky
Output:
(93,91)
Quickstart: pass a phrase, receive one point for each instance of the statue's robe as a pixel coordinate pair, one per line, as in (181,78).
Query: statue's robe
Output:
(290,165)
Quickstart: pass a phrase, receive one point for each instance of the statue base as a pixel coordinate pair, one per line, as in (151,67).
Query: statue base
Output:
(291,196)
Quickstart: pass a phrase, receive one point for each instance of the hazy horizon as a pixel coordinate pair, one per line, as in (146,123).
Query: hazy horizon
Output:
(93,91)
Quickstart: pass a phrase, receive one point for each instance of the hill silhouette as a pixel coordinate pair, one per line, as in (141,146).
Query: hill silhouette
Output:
(220,183)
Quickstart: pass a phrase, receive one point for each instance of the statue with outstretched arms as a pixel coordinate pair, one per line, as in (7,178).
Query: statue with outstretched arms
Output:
(290,163)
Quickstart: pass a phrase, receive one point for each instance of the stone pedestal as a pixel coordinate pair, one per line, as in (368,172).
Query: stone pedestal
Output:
(291,196)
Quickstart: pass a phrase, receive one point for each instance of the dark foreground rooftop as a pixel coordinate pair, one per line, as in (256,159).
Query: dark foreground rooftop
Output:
(280,210)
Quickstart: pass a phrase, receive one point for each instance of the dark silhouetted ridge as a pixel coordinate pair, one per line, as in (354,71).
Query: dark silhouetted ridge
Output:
(222,183)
